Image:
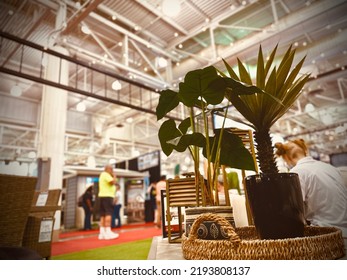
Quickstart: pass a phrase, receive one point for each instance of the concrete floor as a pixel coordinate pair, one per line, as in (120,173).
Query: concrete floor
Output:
(161,249)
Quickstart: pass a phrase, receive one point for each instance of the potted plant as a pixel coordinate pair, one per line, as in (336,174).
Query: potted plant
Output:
(275,198)
(220,147)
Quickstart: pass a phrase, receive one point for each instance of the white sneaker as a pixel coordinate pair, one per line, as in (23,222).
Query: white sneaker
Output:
(101,236)
(111,235)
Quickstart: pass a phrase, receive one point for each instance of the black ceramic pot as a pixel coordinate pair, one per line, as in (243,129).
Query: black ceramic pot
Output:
(277,205)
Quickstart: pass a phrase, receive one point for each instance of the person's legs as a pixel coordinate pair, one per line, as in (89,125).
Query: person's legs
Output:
(114,214)
(117,215)
(107,220)
(102,227)
(108,207)
(102,218)
(87,217)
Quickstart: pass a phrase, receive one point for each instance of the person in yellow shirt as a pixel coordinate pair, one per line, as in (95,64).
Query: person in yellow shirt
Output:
(107,188)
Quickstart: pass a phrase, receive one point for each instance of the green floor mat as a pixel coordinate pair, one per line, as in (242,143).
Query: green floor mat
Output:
(137,250)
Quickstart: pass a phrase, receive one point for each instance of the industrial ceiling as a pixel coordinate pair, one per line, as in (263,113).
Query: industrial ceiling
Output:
(147,50)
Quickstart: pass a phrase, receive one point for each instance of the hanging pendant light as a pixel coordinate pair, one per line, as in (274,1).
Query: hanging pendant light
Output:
(16,91)
(116,85)
(81,106)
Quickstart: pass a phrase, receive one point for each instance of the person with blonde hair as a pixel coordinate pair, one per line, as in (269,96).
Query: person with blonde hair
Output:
(323,189)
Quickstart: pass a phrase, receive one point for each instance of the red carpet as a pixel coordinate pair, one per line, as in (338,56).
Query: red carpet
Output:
(84,240)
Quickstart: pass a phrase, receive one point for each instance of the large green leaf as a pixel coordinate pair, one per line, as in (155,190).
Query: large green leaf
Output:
(196,87)
(168,100)
(184,125)
(234,153)
(181,143)
(167,132)
(240,88)
(173,138)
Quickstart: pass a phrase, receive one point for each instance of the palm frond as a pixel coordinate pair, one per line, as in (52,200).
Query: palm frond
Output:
(279,83)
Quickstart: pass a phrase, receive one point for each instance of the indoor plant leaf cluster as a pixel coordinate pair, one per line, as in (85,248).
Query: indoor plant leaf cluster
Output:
(275,198)
(275,90)
(220,147)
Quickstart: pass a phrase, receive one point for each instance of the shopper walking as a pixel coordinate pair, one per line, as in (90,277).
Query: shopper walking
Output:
(107,189)
(87,204)
(116,208)
(323,190)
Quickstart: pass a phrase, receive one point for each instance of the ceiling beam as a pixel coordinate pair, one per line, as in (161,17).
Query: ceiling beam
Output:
(75,21)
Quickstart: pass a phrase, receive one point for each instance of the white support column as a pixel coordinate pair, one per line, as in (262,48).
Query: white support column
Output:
(53,122)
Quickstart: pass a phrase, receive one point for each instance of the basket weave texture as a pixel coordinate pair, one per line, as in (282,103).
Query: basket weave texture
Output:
(319,243)
(32,234)
(51,204)
(16,193)
(37,215)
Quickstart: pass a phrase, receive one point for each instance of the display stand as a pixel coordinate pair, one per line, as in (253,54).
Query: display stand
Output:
(180,193)
(39,228)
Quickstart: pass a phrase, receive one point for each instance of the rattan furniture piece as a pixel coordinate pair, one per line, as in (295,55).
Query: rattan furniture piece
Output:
(39,228)
(16,193)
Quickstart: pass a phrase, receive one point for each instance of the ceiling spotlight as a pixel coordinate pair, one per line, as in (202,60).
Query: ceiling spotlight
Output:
(160,62)
(16,91)
(81,106)
(85,29)
(116,85)
(309,108)
(171,8)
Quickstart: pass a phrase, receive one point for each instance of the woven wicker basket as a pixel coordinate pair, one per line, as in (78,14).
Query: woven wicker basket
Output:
(51,205)
(16,193)
(319,243)
(36,237)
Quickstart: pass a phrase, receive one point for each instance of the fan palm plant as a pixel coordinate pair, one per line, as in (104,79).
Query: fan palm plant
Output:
(274,198)
(282,88)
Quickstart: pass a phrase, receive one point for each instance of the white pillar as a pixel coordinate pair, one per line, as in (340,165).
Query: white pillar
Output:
(53,121)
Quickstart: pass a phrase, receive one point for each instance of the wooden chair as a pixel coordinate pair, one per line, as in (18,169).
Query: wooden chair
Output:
(180,193)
